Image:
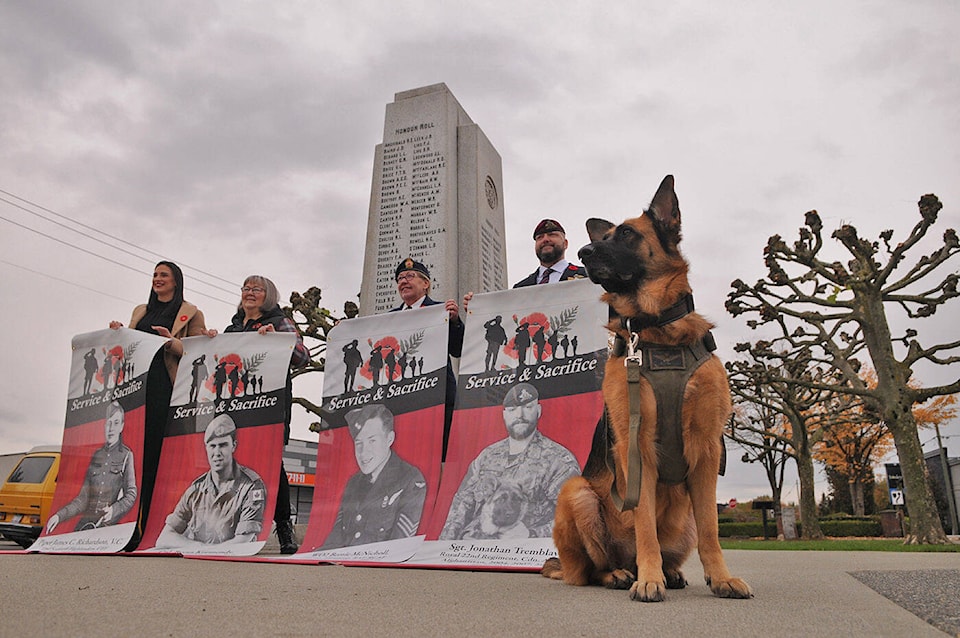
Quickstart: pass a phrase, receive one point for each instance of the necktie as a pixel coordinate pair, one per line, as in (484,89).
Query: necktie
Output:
(545,277)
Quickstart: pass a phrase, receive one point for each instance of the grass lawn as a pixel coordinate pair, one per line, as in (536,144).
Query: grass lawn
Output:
(837,545)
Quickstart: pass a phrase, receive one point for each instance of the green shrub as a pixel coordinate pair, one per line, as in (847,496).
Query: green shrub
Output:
(749,529)
(829,527)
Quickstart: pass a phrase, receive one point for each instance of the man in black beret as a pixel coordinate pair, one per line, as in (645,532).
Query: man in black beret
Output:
(413,284)
(550,245)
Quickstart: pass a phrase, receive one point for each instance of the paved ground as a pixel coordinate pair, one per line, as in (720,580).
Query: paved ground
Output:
(797,594)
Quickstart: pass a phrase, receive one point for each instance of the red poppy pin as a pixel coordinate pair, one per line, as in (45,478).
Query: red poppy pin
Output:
(183,317)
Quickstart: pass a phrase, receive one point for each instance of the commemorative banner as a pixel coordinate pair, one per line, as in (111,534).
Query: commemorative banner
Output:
(528,403)
(97,499)
(222,448)
(378,458)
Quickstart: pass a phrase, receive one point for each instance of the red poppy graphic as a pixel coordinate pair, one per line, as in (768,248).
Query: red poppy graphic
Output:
(536,327)
(228,374)
(382,358)
(112,365)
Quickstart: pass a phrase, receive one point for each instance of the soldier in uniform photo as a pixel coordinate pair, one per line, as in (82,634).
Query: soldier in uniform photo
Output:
(224,505)
(510,490)
(384,500)
(109,488)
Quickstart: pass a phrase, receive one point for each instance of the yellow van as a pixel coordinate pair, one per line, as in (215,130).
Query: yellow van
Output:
(27,495)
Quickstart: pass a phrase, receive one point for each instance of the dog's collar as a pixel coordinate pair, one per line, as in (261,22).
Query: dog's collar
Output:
(682,308)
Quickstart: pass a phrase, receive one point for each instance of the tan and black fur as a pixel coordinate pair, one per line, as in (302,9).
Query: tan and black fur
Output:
(640,267)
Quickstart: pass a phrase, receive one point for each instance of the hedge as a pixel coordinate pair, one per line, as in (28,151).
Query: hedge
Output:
(856,527)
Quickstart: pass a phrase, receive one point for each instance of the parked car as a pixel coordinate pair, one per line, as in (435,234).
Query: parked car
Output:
(27,495)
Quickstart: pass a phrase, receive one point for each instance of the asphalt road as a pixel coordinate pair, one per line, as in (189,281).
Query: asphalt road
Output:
(797,594)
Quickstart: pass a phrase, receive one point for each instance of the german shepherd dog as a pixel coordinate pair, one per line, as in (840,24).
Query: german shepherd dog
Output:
(644,277)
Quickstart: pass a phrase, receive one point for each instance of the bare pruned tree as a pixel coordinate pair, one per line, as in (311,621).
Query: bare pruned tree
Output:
(314,322)
(837,313)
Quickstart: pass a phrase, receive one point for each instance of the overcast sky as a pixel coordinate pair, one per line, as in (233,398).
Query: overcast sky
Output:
(236,138)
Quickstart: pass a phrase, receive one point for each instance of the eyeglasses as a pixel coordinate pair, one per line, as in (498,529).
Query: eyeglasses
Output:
(407,276)
(255,291)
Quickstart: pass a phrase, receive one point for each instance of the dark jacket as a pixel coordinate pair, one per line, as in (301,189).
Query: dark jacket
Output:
(572,271)
(454,349)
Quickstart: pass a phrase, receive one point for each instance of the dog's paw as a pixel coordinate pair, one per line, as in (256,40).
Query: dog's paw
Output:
(675,579)
(618,579)
(730,588)
(552,569)
(651,592)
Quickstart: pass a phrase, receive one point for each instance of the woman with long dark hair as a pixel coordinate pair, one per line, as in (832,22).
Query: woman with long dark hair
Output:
(165,314)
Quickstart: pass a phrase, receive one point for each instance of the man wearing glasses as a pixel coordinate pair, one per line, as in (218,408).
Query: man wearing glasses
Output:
(413,284)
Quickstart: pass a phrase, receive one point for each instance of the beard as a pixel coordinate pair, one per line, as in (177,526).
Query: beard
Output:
(550,254)
(521,429)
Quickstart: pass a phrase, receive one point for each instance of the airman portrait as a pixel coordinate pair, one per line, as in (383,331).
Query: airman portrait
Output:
(384,499)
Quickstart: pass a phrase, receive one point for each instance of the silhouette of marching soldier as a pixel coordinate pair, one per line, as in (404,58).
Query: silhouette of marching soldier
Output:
(391,361)
(521,343)
(376,364)
(352,360)
(539,340)
(107,369)
(553,340)
(234,380)
(220,377)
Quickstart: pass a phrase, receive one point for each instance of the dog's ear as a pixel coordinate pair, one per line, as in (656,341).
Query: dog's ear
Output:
(665,210)
(597,228)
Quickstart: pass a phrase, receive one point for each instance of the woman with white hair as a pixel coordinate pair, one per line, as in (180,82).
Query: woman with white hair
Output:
(259,311)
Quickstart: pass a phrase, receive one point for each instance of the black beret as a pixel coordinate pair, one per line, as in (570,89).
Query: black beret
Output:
(411,264)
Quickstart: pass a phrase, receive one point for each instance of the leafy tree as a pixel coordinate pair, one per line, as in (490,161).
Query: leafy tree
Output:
(854,441)
(851,443)
(839,499)
(837,313)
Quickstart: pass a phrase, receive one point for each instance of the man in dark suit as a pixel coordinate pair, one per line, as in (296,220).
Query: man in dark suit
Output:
(413,284)
(550,245)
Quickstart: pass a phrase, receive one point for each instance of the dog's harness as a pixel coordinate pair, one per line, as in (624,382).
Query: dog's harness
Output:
(667,369)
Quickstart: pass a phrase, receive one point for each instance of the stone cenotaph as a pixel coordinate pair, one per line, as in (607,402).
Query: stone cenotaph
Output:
(437,196)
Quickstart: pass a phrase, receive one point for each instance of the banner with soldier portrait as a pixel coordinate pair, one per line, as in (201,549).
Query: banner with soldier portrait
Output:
(97,499)
(378,457)
(220,462)
(528,403)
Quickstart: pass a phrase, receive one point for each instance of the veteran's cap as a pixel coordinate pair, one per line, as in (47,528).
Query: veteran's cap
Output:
(411,264)
(548,226)
(222,425)
(358,417)
(520,394)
